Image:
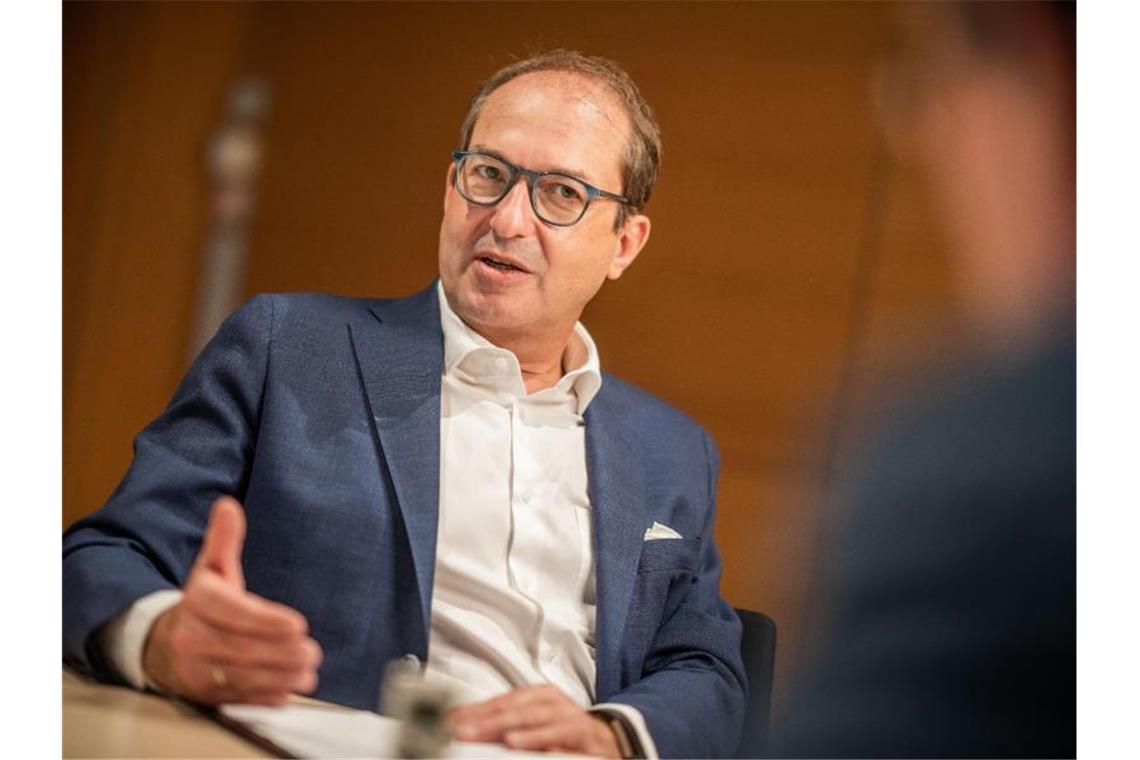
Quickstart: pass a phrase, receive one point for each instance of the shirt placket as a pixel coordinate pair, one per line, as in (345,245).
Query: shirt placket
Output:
(522,527)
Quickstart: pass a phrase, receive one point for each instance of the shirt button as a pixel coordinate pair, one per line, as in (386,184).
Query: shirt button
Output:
(501,364)
(525,497)
(411,659)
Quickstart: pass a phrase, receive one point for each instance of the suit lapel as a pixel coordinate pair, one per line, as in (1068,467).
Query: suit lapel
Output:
(400,359)
(617,496)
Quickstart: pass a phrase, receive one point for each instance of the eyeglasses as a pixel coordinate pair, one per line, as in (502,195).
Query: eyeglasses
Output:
(557,199)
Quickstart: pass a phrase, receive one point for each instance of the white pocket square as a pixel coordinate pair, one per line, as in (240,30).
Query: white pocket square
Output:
(657,531)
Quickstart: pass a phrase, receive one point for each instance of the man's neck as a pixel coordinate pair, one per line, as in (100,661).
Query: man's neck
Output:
(538,377)
(541,358)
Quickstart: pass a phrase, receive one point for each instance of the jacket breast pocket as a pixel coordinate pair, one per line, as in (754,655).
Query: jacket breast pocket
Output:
(665,573)
(670,555)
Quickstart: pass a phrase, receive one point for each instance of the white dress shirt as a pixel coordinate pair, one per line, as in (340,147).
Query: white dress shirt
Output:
(513,601)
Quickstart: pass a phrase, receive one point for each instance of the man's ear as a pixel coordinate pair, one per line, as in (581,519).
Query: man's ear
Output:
(448,182)
(632,238)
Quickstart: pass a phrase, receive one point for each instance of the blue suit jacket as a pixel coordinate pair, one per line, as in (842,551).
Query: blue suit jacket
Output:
(321,414)
(952,629)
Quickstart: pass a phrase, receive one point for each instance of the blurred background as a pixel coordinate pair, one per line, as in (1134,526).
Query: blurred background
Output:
(216,150)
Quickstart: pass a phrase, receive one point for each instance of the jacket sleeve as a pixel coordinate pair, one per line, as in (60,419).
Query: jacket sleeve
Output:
(692,692)
(147,535)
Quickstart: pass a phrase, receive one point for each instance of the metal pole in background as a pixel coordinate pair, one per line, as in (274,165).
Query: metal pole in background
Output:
(233,162)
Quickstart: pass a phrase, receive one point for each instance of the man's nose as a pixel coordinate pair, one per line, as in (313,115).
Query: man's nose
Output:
(513,215)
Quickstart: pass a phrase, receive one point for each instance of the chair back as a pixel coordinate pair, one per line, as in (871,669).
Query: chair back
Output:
(758,650)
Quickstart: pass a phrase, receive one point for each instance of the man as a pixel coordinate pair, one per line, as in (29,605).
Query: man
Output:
(953,591)
(446,478)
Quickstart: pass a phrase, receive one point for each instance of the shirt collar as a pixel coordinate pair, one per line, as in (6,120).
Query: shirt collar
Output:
(460,342)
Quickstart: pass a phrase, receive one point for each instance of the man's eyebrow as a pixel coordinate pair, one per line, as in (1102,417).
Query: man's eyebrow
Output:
(575,173)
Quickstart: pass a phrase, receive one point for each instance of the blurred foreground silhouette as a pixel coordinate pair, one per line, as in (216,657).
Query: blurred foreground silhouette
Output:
(950,588)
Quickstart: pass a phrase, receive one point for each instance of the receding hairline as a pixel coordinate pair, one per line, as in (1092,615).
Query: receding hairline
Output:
(608,104)
(595,93)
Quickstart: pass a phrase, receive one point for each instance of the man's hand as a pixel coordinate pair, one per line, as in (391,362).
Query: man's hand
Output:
(535,718)
(223,644)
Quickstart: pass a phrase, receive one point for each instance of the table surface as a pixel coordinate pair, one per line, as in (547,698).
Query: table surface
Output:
(115,721)
(100,720)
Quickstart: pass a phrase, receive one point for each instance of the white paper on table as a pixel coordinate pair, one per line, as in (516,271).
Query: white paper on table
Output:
(323,731)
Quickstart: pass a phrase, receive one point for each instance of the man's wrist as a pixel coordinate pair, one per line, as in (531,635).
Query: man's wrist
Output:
(633,722)
(123,639)
(626,740)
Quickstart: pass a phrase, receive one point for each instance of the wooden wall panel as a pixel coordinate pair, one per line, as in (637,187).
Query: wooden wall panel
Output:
(142,84)
(744,310)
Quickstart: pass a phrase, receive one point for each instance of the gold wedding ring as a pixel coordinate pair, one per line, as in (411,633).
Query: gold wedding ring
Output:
(219,676)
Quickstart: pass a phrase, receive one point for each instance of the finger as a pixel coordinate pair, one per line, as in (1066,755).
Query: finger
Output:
(268,698)
(575,735)
(492,727)
(258,653)
(198,639)
(567,734)
(530,706)
(222,544)
(230,609)
(223,682)
(512,700)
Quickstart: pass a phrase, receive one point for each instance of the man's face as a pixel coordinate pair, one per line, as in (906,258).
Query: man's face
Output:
(542,121)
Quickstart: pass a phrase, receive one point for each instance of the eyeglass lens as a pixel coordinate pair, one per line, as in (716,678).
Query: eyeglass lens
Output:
(556,198)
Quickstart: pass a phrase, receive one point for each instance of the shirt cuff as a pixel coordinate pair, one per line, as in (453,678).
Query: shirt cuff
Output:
(123,638)
(633,720)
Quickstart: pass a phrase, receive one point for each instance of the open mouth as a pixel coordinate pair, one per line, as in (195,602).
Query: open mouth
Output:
(501,266)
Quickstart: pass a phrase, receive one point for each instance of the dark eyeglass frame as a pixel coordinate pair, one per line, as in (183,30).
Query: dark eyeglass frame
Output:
(531,177)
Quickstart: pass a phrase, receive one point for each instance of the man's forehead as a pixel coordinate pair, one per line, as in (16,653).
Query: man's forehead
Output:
(586,92)
(564,100)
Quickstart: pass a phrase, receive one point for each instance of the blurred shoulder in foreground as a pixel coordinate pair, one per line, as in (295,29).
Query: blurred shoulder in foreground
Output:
(951,580)
(952,627)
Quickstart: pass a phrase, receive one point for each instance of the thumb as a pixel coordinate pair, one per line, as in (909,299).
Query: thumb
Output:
(221,548)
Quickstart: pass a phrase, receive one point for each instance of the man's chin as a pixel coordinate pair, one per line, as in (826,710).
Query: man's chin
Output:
(491,313)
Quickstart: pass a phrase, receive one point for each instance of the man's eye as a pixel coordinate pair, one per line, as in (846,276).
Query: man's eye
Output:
(567,193)
(486,171)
